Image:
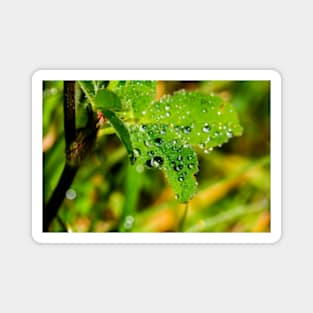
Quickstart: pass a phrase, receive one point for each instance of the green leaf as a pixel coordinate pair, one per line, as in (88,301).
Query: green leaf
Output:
(157,146)
(121,130)
(108,100)
(89,89)
(207,121)
(175,123)
(135,95)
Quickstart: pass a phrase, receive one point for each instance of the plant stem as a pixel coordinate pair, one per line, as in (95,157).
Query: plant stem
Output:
(183,219)
(69,172)
(78,145)
(52,207)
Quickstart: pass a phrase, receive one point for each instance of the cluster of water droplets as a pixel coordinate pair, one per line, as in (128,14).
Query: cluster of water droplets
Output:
(149,143)
(156,148)
(182,164)
(214,134)
(195,118)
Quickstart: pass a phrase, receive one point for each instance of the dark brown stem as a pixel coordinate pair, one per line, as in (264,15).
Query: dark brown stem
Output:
(79,144)
(69,172)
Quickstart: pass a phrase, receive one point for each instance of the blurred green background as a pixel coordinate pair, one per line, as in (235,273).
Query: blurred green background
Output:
(109,195)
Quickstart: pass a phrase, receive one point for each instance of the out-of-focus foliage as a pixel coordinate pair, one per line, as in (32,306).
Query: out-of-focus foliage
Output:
(110,195)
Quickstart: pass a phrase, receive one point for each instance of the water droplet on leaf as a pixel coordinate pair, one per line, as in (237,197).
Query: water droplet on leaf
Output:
(178,167)
(158,141)
(157,161)
(187,130)
(149,163)
(142,128)
(162,131)
(136,152)
(206,128)
(229,134)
